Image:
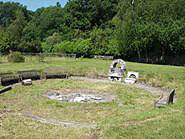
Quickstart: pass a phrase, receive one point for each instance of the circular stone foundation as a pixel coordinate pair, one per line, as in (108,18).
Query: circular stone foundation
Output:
(80,96)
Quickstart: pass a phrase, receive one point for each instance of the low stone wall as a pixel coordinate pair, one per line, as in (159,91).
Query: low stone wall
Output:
(51,55)
(104,57)
(55,75)
(10,78)
(31,74)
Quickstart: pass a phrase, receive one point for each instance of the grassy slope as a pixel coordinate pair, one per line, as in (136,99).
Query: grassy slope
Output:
(131,116)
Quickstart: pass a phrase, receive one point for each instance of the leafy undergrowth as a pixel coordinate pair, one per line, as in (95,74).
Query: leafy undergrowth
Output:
(130,115)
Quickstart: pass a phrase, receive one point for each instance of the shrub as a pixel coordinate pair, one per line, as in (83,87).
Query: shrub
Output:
(15,57)
(82,47)
(50,42)
(113,47)
(64,47)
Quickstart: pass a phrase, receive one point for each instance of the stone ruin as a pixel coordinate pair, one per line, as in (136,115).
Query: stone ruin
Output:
(117,70)
(79,96)
(131,77)
(27,82)
(166,100)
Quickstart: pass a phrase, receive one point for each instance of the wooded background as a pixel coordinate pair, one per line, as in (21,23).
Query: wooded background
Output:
(150,31)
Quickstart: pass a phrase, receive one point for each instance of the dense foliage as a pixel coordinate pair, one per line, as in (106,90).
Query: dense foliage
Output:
(83,23)
(152,30)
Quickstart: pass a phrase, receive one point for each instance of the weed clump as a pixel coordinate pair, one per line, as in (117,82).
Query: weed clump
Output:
(16,57)
(41,58)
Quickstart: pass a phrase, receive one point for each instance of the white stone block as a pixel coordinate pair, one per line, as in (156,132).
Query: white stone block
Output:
(133,75)
(27,82)
(130,80)
(78,99)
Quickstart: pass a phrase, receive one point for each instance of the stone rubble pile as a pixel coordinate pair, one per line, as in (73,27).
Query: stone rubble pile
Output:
(77,97)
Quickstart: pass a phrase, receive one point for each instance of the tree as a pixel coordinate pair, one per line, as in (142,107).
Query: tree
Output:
(15,29)
(30,41)
(50,42)
(4,41)
(86,14)
(8,12)
(49,21)
(13,19)
(151,29)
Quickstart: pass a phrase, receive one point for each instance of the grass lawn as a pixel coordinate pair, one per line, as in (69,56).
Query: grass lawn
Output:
(130,115)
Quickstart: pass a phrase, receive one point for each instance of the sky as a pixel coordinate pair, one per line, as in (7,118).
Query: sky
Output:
(34,4)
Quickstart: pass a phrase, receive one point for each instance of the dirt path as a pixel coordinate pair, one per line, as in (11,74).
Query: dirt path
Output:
(102,80)
(156,91)
(56,122)
(134,123)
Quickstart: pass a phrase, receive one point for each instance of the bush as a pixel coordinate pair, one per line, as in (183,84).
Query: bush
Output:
(50,42)
(82,47)
(113,48)
(65,47)
(15,57)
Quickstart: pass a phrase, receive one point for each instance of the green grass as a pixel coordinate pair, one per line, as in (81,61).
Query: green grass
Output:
(131,115)
(72,66)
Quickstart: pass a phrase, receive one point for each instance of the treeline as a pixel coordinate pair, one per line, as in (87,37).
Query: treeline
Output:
(153,30)
(83,27)
(150,31)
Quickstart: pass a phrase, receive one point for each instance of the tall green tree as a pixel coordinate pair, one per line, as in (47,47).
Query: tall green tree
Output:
(8,12)
(4,41)
(45,22)
(151,29)
(86,14)
(15,29)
